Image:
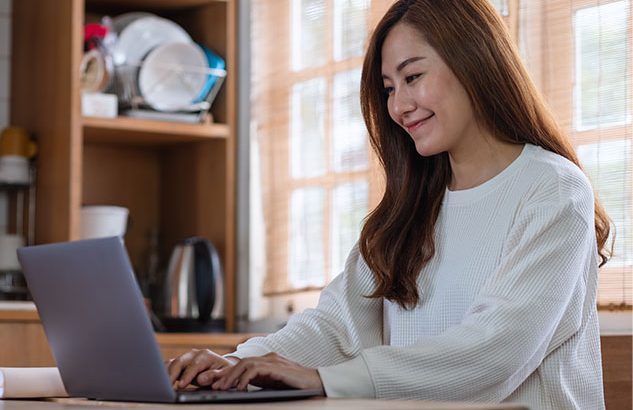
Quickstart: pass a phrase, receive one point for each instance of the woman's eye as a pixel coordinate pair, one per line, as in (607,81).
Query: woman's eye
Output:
(388,90)
(411,78)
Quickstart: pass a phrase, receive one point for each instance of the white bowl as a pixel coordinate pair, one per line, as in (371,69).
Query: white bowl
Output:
(103,221)
(173,75)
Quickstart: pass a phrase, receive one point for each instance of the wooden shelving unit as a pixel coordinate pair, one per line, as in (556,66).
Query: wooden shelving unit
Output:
(176,178)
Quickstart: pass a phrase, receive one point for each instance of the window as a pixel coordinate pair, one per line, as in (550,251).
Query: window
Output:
(350,28)
(306,264)
(349,142)
(315,156)
(308,33)
(608,165)
(318,175)
(602,109)
(501,6)
(603,86)
(579,52)
(307,130)
(349,207)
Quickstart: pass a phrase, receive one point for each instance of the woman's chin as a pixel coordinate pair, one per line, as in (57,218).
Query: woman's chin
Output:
(425,149)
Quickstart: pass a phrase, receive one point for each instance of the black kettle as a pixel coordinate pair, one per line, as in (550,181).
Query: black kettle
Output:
(193,292)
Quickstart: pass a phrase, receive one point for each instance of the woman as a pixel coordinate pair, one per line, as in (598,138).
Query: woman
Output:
(475,277)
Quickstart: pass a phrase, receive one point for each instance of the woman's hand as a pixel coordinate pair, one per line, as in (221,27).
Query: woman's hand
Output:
(195,366)
(270,370)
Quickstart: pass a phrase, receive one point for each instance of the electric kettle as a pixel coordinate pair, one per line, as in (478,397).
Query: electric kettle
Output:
(193,292)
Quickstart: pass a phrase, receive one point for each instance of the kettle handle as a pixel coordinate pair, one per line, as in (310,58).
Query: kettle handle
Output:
(207,266)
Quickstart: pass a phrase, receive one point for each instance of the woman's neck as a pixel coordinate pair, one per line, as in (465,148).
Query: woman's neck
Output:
(479,162)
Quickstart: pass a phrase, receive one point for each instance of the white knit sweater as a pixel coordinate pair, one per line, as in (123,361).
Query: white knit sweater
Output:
(507,310)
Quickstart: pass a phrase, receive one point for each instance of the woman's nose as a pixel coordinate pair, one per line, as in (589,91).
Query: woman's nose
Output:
(402,102)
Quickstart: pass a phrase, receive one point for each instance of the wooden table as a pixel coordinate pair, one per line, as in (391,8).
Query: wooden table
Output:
(317,403)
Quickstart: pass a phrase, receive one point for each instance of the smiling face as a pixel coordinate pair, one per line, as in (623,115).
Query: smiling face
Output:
(424,96)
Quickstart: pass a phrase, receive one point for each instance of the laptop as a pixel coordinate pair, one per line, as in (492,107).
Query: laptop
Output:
(99,331)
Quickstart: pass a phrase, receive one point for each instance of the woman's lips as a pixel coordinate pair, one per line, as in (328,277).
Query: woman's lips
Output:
(414,126)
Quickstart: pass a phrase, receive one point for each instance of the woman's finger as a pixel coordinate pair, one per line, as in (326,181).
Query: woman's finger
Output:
(202,361)
(176,365)
(227,377)
(208,377)
(263,371)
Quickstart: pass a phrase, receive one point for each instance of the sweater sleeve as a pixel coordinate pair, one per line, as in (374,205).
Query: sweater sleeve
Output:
(529,306)
(344,323)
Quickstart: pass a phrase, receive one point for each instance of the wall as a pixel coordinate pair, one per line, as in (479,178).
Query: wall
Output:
(5,60)
(5,87)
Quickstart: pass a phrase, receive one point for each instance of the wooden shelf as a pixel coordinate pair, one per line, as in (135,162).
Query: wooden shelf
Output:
(150,4)
(140,131)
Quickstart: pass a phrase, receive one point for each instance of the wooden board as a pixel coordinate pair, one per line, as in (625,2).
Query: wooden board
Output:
(126,176)
(616,365)
(45,101)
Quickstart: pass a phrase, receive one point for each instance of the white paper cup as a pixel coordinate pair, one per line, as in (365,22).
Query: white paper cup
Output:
(103,221)
(8,256)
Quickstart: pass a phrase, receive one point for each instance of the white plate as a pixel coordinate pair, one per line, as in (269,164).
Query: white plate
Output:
(123,20)
(142,35)
(172,76)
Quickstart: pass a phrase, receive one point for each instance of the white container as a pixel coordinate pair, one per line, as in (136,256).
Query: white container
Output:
(14,169)
(8,256)
(103,221)
(99,105)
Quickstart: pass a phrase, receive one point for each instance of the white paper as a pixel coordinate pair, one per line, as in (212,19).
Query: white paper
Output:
(24,382)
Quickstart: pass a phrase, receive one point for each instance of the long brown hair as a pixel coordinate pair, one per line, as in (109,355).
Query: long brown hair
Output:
(397,239)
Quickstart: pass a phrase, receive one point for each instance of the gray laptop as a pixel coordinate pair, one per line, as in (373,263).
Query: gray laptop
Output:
(99,331)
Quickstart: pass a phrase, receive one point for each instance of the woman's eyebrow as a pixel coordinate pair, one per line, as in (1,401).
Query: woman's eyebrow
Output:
(406,63)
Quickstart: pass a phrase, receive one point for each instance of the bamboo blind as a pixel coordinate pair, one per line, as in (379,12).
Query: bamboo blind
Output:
(547,32)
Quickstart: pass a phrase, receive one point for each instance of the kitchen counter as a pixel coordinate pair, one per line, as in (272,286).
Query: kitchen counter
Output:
(19,311)
(24,343)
